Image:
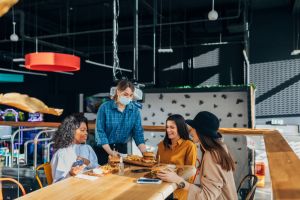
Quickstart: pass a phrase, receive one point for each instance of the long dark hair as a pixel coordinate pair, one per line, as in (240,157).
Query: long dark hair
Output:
(181,128)
(64,136)
(219,154)
(123,85)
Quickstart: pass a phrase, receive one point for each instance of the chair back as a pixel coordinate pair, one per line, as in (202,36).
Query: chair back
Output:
(47,171)
(14,181)
(246,189)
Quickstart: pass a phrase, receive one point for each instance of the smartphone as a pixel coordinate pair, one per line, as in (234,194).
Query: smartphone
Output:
(77,163)
(148,181)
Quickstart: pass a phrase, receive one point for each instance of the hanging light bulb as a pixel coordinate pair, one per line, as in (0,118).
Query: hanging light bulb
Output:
(213,15)
(14,37)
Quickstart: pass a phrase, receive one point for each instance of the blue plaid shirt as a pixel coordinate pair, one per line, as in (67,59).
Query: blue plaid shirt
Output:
(113,126)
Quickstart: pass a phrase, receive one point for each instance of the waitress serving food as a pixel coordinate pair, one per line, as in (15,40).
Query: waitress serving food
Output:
(117,122)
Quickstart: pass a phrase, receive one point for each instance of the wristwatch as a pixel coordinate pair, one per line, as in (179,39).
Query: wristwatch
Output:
(180,185)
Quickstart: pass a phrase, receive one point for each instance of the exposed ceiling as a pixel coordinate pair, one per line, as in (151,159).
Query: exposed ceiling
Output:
(85,27)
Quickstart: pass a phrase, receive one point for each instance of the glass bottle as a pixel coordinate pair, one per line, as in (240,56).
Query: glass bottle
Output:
(121,167)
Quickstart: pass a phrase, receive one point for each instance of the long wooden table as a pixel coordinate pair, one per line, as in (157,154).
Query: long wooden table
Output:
(111,186)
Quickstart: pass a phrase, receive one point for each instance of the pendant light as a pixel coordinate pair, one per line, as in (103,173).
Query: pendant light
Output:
(213,15)
(51,61)
(14,37)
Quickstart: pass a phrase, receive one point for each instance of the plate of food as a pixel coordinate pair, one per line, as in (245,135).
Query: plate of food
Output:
(157,169)
(148,159)
(103,170)
(134,158)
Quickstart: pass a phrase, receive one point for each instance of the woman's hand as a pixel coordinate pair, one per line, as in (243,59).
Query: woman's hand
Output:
(169,176)
(75,170)
(142,148)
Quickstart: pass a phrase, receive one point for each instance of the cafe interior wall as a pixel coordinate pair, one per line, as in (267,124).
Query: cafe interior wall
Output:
(273,69)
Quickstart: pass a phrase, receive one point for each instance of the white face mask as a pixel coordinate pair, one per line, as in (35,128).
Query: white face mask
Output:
(124,100)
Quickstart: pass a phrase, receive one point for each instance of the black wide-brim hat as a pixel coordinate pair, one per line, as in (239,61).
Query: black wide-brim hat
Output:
(206,123)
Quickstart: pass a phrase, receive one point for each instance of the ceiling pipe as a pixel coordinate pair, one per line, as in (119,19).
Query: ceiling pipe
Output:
(53,45)
(154,40)
(105,30)
(141,26)
(136,40)
(30,39)
(106,66)
(22,72)
(192,44)
(18,59)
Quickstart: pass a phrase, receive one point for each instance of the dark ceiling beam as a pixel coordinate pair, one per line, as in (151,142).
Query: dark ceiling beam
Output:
(43,24)
(49,44)
(143,26)
(123,50)
(24,37)
(131,27)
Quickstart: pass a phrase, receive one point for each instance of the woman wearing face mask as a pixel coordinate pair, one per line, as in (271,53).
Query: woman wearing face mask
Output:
(177,148)
(117,121)
(217,166)
(69,143)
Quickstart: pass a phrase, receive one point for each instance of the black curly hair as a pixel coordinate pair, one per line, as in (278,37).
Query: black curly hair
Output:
(64,136)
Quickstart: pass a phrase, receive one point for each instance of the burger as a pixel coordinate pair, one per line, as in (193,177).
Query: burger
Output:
(114,160)
(148,157)
(156,170)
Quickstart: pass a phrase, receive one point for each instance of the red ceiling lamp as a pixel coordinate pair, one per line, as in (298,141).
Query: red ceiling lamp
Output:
(52,62)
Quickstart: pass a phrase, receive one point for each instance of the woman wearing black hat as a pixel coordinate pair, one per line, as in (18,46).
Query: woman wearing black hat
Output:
(217,166)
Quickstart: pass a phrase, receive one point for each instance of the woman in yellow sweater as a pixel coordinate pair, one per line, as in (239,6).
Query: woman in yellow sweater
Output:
(177,148)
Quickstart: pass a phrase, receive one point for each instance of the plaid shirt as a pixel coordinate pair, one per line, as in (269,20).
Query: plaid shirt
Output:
(113,126)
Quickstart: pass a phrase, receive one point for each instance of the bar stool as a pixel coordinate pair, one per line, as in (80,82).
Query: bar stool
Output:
(14,181)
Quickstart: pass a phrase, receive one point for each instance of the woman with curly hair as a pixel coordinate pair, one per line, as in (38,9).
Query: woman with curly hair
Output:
(69,143)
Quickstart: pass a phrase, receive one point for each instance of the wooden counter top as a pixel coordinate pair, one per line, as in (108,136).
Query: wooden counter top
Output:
(232,131)
(30,124)
(284,167)
(108,187)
